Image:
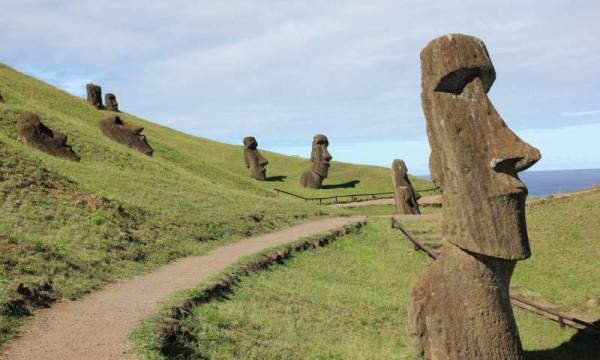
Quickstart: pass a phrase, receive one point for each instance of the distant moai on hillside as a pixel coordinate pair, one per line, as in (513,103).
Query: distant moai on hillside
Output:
(405,195)
(320,157)
(460,306)
(33,133)
(255,162)
(115,129)
(94,95)
(110,101)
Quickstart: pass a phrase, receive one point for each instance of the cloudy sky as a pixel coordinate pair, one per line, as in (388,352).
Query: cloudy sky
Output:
(285,70)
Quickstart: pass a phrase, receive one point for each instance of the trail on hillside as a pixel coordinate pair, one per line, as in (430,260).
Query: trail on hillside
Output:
(97,326)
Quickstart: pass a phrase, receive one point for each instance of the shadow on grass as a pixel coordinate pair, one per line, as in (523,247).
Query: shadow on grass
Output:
(346,185)
(584,345)
(279,178)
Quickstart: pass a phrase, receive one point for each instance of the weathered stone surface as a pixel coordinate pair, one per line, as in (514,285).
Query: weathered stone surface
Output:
(406,199)
(94,95)
(111,102)
(115,129)
(459,307)
(320,158)
(255,162)
(32,132)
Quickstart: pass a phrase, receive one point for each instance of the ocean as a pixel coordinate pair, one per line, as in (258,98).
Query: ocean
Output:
(544,183)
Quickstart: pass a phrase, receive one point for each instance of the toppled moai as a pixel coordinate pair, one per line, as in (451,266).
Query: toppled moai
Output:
(460,306)
(33,133)
(404,193)
(110,100)
(115,129)
(94,95)
(320,158)
(255,162)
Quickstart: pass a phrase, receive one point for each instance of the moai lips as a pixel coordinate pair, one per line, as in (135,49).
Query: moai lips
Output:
(111,102)
(32,132)
(320,158)
(115,129)
(405,195)
(460,306)
(255,162)
(94,95)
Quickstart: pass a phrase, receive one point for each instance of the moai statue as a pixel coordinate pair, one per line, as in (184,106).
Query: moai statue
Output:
(404,193)
(255,162)
(460,306)
(115,129)
(320,158)
(33,133)
(110,100)
(94,95)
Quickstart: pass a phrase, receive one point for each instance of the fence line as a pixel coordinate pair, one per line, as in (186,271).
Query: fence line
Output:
(563,319)
(353,197)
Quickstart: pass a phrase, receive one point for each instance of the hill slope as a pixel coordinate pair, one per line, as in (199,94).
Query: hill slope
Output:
(67,227)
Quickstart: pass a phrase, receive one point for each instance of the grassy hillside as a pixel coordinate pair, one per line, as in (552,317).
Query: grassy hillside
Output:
(349,300)
(67,227)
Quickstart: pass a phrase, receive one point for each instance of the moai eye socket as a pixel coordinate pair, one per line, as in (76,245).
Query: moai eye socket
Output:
(456,81)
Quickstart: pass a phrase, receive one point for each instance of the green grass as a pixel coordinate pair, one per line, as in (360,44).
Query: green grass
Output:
(387,209)
(119,212)
(349,300)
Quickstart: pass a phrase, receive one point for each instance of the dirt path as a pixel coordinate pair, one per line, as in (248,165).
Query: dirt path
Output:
(97,326)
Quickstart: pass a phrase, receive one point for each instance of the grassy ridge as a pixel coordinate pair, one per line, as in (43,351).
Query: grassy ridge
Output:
(66,227)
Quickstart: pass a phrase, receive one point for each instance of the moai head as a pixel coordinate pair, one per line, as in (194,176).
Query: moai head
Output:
(255,162)
(32,132)
(115,129)
(110,100)
(94,95)
(320,156)
(474,157)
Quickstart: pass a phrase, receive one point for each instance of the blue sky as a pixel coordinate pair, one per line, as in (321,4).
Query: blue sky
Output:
(284,71)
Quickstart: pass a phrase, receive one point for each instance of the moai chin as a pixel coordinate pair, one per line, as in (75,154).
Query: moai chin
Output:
(404,193)
(33,133)
(255,162)
(110,100)
(94,95)
(115,129)
(460,306)
(320,158)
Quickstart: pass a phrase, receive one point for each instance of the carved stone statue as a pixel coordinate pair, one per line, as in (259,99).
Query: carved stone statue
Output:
(459,306)
(111,102)
(320,158)
(255,162)
(406,198)
(33,133)
(94,95)
(115,129)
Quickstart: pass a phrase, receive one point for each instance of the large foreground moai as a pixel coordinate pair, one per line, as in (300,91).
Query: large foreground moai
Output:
(459,306)
(405,195)
(32,132)
(94,95)
(255,162)
(115,129)
(320,158)
(110,100)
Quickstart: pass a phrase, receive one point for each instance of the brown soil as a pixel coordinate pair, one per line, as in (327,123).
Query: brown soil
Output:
(97,326)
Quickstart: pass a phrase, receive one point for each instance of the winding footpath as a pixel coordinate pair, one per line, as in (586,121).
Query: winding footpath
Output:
(97,326)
